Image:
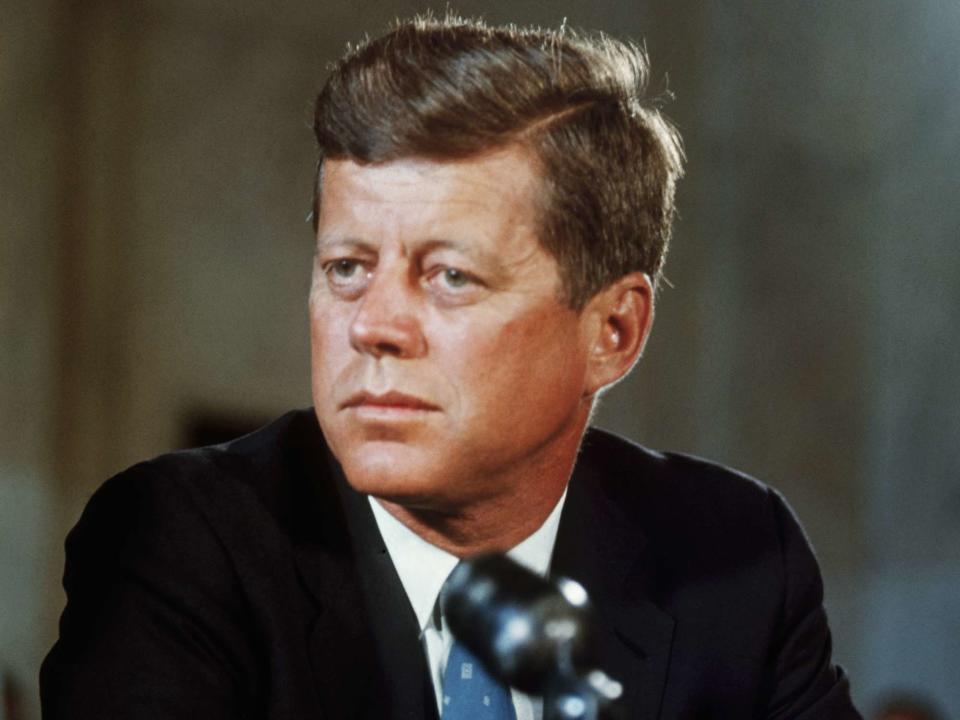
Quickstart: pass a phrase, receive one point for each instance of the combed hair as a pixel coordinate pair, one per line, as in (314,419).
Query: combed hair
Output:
(449,88)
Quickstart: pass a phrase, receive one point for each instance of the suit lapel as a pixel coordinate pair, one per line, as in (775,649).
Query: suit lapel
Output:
(406,689)
(600,546)
(363,637)
(338,639)
(394,624)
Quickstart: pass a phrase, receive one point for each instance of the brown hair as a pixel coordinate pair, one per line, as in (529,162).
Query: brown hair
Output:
(450,88)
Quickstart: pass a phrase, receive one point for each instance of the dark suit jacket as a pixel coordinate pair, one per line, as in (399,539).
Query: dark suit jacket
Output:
(249,581)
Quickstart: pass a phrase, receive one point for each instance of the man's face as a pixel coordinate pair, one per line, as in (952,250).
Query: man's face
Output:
(445,365)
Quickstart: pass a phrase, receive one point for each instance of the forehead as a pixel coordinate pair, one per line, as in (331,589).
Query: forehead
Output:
(489,191)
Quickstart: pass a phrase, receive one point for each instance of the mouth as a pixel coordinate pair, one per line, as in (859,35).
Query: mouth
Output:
(389,403)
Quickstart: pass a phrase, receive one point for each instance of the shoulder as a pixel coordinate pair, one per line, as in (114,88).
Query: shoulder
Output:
(680,490)
(735,570)
(198,515)
(181,568)
(261,470)
(207,486)
(253,461)
(704,522)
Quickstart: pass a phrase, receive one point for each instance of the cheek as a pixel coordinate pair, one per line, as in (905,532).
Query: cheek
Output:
(519,363)
(329,323)
(329,342)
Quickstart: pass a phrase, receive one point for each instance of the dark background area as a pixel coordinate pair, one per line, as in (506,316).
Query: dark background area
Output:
(155,176)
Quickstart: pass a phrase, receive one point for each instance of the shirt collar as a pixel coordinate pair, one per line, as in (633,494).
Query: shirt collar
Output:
(423,568)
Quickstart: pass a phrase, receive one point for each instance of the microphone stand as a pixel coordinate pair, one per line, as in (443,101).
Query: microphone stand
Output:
(569,693)
(582,698)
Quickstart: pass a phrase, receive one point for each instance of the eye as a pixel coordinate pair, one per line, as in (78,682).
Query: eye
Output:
(450,280)
(346,276)
(344,269)
(455,278)
(452,286)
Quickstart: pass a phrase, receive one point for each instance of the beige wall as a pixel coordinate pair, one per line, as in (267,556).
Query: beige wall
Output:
(29,246)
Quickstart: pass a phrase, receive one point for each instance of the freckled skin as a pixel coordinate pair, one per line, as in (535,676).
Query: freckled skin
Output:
(429,281)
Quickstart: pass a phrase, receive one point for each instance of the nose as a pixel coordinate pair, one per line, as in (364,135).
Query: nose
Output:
(387,322)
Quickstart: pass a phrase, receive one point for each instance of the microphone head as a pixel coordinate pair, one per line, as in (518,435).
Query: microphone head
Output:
(529,632)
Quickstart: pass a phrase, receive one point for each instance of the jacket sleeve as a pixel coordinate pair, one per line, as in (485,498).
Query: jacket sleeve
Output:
(154,621)
(806,684)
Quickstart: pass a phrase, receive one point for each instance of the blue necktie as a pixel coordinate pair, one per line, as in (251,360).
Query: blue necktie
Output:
(469,693)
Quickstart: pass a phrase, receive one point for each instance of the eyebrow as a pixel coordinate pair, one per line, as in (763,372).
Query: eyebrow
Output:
(489,259)
(324,241)
(492,260)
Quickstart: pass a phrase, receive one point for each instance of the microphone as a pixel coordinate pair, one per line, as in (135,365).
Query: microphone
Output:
(531,633)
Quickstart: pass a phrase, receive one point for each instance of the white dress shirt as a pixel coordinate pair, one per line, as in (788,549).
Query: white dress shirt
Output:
(423,569)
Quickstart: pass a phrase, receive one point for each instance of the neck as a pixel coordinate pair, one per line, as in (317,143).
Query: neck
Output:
(495,524)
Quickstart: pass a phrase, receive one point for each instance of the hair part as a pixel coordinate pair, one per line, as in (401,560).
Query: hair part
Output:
(449,89)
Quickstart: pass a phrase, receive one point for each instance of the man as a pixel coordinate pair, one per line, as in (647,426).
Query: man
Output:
(492,210)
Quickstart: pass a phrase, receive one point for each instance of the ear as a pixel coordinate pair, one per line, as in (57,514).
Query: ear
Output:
(620,317)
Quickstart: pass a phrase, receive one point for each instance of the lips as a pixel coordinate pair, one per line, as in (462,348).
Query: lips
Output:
(387,401)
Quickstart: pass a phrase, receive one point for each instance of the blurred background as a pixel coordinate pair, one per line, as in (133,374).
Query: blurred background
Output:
(156,171)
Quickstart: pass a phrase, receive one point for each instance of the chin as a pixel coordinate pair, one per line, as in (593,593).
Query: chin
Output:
(392,477)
